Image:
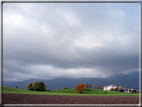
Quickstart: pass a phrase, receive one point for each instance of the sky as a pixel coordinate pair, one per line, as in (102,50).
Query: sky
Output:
(72,40)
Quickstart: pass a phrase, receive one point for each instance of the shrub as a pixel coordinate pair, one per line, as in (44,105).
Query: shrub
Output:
(80,87)
(122,90)
(65,88)
(137,91)
(59,88)
(105,92)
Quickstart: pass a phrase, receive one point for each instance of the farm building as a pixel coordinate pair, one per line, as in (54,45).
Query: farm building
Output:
(109,87)
(129,90)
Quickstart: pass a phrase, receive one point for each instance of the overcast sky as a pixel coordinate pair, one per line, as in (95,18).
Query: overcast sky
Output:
(50,40)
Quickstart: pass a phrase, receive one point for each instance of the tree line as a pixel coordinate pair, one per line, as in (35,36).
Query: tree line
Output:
(36,86)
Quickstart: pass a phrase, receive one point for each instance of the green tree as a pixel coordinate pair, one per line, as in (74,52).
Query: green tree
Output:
(42,86)
(35,86)
(30,87)
(45,86)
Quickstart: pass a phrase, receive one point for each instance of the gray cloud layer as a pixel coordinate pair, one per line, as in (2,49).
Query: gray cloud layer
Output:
(70,39)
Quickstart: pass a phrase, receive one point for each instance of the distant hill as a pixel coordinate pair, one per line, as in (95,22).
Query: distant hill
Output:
(130,80)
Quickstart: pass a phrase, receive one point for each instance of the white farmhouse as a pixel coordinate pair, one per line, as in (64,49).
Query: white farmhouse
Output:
(109,87)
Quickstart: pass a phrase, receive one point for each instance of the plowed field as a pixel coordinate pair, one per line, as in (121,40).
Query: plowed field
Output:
(58,99)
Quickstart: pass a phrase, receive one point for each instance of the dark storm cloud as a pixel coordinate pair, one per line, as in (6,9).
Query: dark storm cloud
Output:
(59,40)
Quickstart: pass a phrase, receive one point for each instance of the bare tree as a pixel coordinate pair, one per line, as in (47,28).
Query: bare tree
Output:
(87,86)
(95,86)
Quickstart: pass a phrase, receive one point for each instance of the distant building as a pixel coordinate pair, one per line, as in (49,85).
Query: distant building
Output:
(110,87)
(129,90)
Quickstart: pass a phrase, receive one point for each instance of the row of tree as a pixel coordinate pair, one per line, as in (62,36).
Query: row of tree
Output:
(36,86)
(90,86)
(82,86)
(87,86)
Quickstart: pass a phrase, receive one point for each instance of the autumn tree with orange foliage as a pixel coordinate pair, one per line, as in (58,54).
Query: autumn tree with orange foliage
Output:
(99,87)
(80,87)
(90,85)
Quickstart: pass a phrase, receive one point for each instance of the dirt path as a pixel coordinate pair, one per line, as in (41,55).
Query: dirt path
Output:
(56,99)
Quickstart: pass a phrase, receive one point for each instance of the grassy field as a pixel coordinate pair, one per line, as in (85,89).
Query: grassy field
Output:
(70,92)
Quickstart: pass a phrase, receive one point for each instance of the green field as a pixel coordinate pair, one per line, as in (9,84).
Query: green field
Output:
(70,92)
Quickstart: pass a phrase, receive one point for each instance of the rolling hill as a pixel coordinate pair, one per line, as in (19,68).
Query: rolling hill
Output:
(130,80)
